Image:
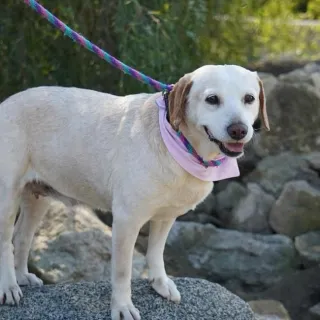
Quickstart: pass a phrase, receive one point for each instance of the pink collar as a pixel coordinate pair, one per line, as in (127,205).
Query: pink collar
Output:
(228,168)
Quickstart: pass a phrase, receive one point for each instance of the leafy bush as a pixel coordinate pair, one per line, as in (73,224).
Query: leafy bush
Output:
(314,9)
(33,53)
(163,39)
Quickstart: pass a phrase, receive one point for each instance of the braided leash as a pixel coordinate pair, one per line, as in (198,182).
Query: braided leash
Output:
(92,47)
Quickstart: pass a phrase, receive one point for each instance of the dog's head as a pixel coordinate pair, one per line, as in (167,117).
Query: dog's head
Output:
(219,104)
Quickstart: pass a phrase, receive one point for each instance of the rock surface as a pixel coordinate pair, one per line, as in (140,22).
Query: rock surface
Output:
(273,172)
(269,310)
(232,258)
(310,74)
(294,113)
(73,245)
(314,160)
(90,301)
(308,246)
(297,209)
(252,212)
(298,291)
(228,199)
(314,312)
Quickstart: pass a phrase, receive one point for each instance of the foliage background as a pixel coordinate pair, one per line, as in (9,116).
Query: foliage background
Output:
(164,39)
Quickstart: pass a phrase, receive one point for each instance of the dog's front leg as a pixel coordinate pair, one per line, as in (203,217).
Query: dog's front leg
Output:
(125,229)
(158,234)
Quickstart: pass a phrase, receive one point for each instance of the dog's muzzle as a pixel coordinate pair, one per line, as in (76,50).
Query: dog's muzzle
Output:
(230,149)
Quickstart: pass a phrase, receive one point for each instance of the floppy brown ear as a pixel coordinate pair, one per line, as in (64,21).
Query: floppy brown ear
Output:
(178,101)
(263,107)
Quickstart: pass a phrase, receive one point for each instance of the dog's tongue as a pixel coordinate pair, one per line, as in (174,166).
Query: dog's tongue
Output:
(235,147)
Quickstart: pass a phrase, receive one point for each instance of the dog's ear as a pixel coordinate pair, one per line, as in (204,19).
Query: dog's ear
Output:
(263,107)
(178,101)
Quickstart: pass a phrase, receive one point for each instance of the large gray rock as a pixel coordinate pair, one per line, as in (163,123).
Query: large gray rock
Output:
(314,312)
(314,160)
(309,74)
(269,310)
(298,291)
(73,245)
(273,172)
(252,212)
(90,301)
(308,246)
(278,65)
(297,209)
(228,199)
(294,114)
(236,259)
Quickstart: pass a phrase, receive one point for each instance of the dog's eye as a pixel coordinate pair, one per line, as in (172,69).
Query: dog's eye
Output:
(248,98)
(213,99)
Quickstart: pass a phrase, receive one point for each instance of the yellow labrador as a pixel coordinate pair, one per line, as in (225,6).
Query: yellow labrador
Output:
(117,153)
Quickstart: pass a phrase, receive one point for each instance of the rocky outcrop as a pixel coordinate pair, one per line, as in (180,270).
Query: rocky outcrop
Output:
(297,209)
(314,312)
(229,198)
(269,310)
(298,291)
(294,113)
(308,246)
(90,301)
(235,259)
(273,172)
(73,245)
(251,212)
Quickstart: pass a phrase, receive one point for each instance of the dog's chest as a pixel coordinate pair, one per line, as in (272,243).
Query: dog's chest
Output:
(176,201)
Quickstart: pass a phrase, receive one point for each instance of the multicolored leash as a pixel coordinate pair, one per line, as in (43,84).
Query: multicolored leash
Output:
(192,150)
(92,47)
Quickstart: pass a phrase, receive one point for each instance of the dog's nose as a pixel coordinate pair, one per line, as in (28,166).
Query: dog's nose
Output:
(237,131)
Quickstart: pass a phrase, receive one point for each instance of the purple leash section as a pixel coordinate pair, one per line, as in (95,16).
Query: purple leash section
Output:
(92,47)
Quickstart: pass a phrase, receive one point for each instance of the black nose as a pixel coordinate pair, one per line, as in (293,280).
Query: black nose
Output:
(237,131)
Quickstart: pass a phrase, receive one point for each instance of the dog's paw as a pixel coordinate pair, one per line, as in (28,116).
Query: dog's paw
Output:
(166,288)
(28,279)
(10,294)
(124,312)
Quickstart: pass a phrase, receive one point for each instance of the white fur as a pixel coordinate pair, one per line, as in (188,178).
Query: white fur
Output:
(106,151)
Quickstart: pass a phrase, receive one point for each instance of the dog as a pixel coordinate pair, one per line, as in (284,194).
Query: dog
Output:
(118,153)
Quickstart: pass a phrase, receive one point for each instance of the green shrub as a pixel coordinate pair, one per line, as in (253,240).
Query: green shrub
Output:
(163,39)
(314,9)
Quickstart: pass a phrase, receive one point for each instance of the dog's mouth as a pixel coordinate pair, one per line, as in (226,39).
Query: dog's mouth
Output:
(230,149)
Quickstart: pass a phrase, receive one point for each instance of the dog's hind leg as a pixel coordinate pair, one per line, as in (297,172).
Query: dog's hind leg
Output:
(10,292)
(32,209)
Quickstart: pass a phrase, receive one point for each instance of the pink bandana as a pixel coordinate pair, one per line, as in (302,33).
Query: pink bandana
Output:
(227,169)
